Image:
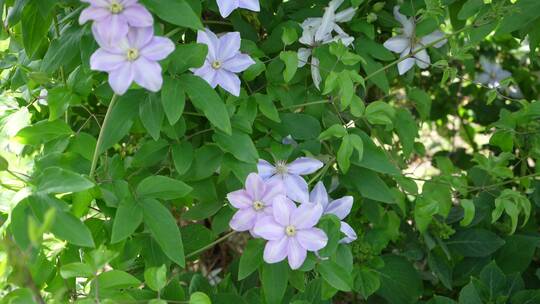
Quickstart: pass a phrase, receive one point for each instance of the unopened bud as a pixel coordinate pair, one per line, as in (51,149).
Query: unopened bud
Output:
(378,6)
(371,17)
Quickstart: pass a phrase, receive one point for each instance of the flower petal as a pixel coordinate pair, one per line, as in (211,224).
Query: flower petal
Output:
(93,13)
(112,28)
(350,234)
(265,169)
(430,38)
(303,56)
(269,229)
(226,7)
(99,3)
(240,199)
(274,188)
(406,64)
(243,219)
(319,195)
(306,216)
(345,15)
(207,73)
(296,254)
(138,16)
(296,188)
(228,81)
(158,48)
(304,165)
(315,73)
(282,208)
(120,79)
(105,61)
(139,37)
(340,207)
(238,63)
(255,186)
(312,239)
(276,251)
(211,40)
(252,5)
(407,23)
(422,59)
(397,44)
(148,74)
(229,46)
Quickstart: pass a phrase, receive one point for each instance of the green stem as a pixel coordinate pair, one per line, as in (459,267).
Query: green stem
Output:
(304,104)
(221,239)
(101,132)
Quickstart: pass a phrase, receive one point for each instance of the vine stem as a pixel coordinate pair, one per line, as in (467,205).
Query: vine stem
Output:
(101,132)
(221,239)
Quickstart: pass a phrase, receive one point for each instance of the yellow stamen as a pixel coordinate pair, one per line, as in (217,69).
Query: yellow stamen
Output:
(258,205)
(116,7)
(132,54)
(290,230)
(216,65)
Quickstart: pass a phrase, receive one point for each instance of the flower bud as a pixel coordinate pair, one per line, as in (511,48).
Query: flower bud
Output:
(378,6)
(371,17)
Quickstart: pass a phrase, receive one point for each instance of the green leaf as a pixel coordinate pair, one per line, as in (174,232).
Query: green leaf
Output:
(469,295)
(400,282)
(468,212)
(199,236)
(366,282)
(406,129)
(173,99)
(251,258)
(164,229)
(238,144)
(470,8)
(62,50)
(128,217)
(116,279)
(344,154)
(370,185)
(290,59)
(336,130)
(274,279)
(475,242)
(186,56)
(76,270)
(162,187)
(156,277)
(58,180)
(358,145)
(267,107)
(422,101)
(168,11)
(289,35)
(59,99)
(374,157)
(35,27)
(301,126)
(182,154)
(4,165)
(151,114)
(379,112)
(42,132)
(335,275)
(199,298)
(517,252)
(207,100)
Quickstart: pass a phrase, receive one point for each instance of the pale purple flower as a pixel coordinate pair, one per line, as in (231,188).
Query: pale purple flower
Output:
(253,202)
(407,43)
(227,6)
(290,232)
(112,18)
(340,208)
(223,60)
(492,76)
(133,58)
(295,186)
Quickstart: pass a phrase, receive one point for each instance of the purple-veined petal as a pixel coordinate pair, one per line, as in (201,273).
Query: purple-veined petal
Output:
(229,46)
(397,44)
(319,195)
(315,73)
(340,207)
(304,165)
(252,5)
(296,188)
(138,16)
(268,229)
(282,208)
(406,64)
(238,63)
(345,15)
(350,234)
(228,81)
(158,48)
(312,239)
(147,74)
(430,38)
(255,186)
(327,21)
(303,56)
(93,13)
(127,3)
(422,59)
(243,219)
(139,37)
(276,251)
(104,61)
(273,188)
(226,7)
(265,169)
(407,23)
(211,40)
(119,47)
(240,199)
(121,78)
(306,216)
(206,72)
(296,254)
(113,28)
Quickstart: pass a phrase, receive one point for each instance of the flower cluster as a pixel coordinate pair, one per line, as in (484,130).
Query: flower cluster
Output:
(267,210)
(128,49)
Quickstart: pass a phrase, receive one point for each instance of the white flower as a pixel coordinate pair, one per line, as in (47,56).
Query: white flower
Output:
(319,31)
(492,76)
(408,43)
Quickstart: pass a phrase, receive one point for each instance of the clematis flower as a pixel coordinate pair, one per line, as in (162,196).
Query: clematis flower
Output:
(295,186)
(133,58)
(340,208)
(492,76)
(223,61)
(407,43)
(227,6)
(290,232)
(253,202)
(319,31)
(113,18)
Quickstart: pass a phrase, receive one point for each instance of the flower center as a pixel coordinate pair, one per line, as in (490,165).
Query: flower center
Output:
(116,7)
(258,205)
(216,65)
(290,230)
(132,54)
(281,167)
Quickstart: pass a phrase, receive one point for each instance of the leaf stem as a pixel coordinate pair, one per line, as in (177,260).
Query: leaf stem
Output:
(221,239)
(101,133)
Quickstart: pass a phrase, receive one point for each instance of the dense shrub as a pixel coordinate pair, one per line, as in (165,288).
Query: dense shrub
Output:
(231,151)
